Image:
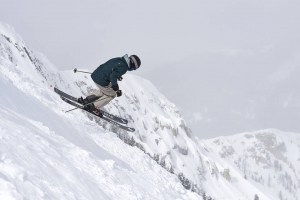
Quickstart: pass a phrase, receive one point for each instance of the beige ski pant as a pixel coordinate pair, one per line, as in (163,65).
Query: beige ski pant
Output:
(106,94)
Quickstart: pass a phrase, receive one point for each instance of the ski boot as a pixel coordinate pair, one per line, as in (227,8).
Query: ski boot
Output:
(88,99)
(92,109)
(82,101)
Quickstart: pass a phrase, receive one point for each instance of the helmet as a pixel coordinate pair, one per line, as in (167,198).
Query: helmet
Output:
(135,62)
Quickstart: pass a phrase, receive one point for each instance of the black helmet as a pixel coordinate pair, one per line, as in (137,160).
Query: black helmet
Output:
(135,62)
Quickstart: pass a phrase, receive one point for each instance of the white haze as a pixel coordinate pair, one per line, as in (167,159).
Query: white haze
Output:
(230,66)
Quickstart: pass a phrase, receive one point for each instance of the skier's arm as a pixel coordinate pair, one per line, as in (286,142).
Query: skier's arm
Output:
(113,79)
(116,73)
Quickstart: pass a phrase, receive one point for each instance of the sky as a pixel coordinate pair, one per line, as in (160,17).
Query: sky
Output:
(230,66)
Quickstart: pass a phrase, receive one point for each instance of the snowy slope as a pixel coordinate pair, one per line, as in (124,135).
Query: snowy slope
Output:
(269,159)
(49,154)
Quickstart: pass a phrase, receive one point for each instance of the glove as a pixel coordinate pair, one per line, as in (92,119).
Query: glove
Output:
(119,93)
(120,78)
(115,87)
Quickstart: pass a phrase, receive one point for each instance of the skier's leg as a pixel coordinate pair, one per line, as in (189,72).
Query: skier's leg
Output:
(103,101)
(88,99)
(108,91)
(107,94)
(96,94)
(98,104)
(100,97)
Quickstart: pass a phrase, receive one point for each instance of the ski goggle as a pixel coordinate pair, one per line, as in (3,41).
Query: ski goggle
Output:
(133,64)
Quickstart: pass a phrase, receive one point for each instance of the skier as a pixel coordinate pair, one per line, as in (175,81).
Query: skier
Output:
(106,78)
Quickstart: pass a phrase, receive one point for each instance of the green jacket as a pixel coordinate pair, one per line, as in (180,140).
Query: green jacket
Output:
(110,71)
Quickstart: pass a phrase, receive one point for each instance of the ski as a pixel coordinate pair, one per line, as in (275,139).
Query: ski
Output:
(103,117)
(104,113)
(61,93)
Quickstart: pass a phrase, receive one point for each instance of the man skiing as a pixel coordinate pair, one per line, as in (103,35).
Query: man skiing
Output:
(106,78)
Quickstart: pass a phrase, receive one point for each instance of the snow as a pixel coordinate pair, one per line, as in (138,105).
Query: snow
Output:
(49,154)
(268,158)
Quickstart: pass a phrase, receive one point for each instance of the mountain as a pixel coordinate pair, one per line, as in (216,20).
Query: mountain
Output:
(234,90)
(269,159)
(49,154)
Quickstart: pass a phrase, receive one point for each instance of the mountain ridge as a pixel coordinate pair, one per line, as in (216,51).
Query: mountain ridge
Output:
(269,158)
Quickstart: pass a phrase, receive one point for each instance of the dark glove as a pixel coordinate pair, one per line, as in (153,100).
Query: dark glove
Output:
(119,93)
(115,87)
(120,78)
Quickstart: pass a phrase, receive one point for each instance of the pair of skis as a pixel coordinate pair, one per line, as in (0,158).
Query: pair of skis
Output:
(115,120)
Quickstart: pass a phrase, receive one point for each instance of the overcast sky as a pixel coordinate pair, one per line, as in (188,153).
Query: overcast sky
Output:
(85,33)
(220,61)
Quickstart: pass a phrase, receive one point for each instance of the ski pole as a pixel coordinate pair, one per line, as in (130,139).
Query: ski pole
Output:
(82,105)
(76,70)
(71,109)
(86,104)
